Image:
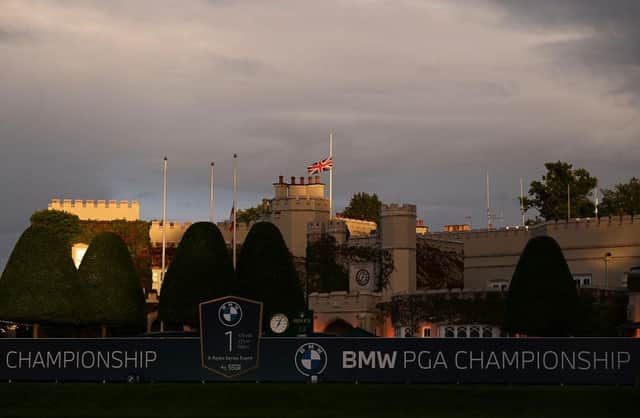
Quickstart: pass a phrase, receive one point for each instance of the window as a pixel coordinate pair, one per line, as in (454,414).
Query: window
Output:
(462,332)
(426,332)
(499,285)
(582,280)
(475,332)
(449,332)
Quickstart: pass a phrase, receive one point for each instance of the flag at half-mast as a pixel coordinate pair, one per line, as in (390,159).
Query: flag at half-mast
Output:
(321,166)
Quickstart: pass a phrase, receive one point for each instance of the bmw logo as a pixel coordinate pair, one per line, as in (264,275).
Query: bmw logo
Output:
(230,314)
(311,359)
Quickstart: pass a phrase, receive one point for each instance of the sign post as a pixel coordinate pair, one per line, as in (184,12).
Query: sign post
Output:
(230,329)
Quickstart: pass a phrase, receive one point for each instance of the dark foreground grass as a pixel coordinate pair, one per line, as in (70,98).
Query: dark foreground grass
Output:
(321,400)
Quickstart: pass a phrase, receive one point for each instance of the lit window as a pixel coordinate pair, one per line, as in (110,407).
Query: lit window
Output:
(426,332)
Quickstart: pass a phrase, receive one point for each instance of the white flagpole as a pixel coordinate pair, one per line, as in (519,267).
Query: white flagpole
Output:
(235,204)
(212,193)
(164,219)
(488,203)
(164,227)
(333,164)
(522,199)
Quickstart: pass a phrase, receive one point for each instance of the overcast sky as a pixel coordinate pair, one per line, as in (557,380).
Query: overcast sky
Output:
(425,96)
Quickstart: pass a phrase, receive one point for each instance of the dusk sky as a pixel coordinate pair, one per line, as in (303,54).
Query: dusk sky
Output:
(424,97)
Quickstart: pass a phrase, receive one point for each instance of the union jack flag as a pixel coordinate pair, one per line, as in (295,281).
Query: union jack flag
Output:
(321,166)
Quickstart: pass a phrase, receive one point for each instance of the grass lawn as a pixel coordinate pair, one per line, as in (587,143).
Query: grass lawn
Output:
(321,400)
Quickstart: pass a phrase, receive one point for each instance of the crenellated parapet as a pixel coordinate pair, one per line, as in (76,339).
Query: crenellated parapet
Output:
(100,210)
(398,209)
(173,232)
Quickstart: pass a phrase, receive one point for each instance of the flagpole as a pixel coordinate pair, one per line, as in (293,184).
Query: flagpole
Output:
(235,203)
(331,175)
(212,194)
(522,199)
(164,219)
(164,228)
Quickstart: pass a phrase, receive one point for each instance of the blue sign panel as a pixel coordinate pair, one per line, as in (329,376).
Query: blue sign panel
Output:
(230,330)
(540,360)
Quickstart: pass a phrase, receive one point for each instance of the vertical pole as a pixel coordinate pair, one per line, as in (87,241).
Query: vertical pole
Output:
(212,193)
(596,204)
(568,201)
(331,175)
(164,228)
(522,199)
(235,205)
(488,203)
(164,219)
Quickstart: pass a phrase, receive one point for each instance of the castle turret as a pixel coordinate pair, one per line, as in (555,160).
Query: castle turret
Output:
(398,236)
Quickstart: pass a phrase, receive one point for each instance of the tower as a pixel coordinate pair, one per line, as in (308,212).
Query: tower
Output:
(398,236)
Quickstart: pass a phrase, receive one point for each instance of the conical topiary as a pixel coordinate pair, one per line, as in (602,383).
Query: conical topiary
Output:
(542,299)
(40,282)
(201,270)
(266,272)
(113,295)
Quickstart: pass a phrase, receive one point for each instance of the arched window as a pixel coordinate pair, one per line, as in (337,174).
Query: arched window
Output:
(487,332)
(449,332)
(462,332)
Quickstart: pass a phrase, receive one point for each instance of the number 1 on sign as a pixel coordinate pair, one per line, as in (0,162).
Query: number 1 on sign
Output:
(229,333)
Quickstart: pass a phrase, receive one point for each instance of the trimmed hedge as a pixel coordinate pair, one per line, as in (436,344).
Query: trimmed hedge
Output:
(40,283)
(201,270)
(266,271)
(542,299)
(111,287)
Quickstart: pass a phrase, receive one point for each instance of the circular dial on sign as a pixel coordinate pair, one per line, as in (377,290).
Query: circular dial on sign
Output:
(362,277)
(279,323)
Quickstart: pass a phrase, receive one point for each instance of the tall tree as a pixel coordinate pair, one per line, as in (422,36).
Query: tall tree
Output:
(40,283)
(550,196)
(252,214)
(114,296)
(542,299)
(363,206)
(622,199)
(201,270)
(266,271)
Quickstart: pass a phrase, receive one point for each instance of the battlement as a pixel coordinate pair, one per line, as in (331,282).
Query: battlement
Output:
(101,210)
(395,209)
(173,233)
(313,188)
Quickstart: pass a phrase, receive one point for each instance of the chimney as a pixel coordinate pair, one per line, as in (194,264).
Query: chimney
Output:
(310,180)
(317,179)
(281,179)
(301,180)
(293,180)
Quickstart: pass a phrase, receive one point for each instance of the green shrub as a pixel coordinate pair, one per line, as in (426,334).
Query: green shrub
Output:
(40,283)
(113,295)
(542,299)
(266,272)
(201,270)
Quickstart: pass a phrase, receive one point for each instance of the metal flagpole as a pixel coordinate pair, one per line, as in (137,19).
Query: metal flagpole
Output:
(488,204)
(568,201)
(164,227)
(212,193)
(522,199)
(331,175)
(596,192)
(235,204)
(164,219)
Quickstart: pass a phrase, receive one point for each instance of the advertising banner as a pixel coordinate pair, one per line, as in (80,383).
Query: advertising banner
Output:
(437,360)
